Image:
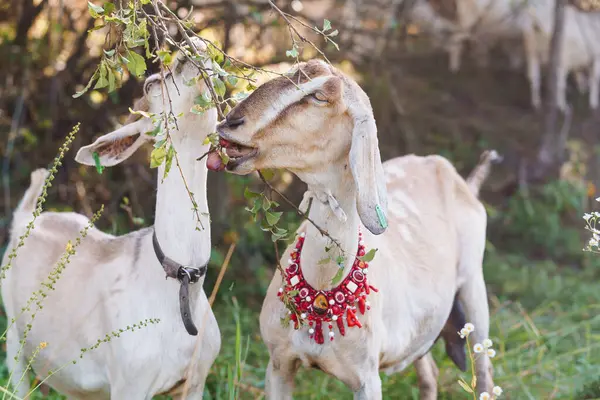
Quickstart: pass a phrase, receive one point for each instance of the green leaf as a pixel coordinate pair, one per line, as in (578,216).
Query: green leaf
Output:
(157,157)
(339,260)
(156,129)
(137,64)
(196,109)
(87,87)
(293,293)
(142,113)
(264,225)
(160,143)
(99,166)
(102,81)
(204,100)
(334,33)
(164,56)
(224,157)
(275,236)
(220,71)
(108,7)
(326,25)
(369,256)
(266,204)
(219,86)
(338,276)
(169,160)
(465,386)
(95,11)
(232,80)
(249,194)
(273,217)
(293,53)
(109,53)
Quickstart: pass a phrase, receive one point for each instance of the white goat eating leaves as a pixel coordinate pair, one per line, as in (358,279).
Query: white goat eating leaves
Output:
(318,124)
(113,282)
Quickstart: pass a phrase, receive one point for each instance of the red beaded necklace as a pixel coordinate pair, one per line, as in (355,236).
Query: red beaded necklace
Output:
(315,307)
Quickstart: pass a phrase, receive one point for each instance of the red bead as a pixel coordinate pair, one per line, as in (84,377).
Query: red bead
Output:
(352,320)
(340,324)
(361,305)
(319,333)
(335,309)
(361,252)
(350,298)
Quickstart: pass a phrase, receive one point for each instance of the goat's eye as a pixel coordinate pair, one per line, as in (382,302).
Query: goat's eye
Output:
(147,87)
(319,97)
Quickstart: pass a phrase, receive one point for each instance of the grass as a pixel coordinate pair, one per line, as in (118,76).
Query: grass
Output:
(545,327)
(545,324)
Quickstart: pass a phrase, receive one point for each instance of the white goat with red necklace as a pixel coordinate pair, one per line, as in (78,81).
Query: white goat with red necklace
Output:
(318,123)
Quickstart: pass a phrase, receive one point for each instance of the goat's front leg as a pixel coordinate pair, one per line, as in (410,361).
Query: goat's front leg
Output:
(371,386)
(533,66)
(279,382)
(473,296)
(594,84)
(427,375)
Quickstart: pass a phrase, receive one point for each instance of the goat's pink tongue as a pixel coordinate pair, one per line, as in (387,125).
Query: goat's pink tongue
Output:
(214,162)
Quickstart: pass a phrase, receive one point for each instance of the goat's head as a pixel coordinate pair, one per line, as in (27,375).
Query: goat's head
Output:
(312,120)
(175,93)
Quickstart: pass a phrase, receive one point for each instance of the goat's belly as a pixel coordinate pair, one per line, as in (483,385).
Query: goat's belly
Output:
(82,380)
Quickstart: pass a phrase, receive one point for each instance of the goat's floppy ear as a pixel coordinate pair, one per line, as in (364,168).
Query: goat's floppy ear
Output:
(365,160)
(114,147)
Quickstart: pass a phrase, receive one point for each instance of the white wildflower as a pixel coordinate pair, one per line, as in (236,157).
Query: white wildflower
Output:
(469,327)
(463,333)
(587,216)
(478,348)
(497,390)
(491,353)
(484,396)
(597,198)
(487,343)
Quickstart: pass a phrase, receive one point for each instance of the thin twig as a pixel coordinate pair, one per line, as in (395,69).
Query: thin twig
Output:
(291,26)
(300,212)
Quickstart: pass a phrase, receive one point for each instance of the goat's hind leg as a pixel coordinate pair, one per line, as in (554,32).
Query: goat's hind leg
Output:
(427,375)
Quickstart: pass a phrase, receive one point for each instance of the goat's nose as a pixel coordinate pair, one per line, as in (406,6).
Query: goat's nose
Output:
(235,122)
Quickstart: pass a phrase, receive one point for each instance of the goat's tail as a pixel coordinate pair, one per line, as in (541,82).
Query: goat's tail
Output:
(482,170)
(29,201)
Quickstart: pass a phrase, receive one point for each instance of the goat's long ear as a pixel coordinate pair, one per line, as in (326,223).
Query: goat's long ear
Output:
(114,147)
(365,160)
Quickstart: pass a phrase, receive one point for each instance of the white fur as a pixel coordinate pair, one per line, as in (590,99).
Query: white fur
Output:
(113,282)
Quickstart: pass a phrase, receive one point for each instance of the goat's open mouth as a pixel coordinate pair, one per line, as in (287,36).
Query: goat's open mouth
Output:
(229,155)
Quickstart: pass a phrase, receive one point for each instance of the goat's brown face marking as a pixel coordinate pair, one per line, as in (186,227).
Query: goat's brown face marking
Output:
(287,117)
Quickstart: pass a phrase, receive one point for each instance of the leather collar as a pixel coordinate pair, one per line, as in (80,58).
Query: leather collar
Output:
(185,275)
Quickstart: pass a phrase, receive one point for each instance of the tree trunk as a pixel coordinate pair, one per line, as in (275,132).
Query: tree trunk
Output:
(551,150)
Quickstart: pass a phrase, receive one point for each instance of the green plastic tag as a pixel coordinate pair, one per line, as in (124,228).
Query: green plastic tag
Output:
(381,216)
(99,166)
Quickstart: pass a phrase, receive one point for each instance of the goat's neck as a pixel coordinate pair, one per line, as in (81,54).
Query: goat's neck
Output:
(336,181)
(181,237)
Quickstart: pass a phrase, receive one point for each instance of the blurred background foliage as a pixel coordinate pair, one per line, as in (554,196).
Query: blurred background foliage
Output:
(543,289)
